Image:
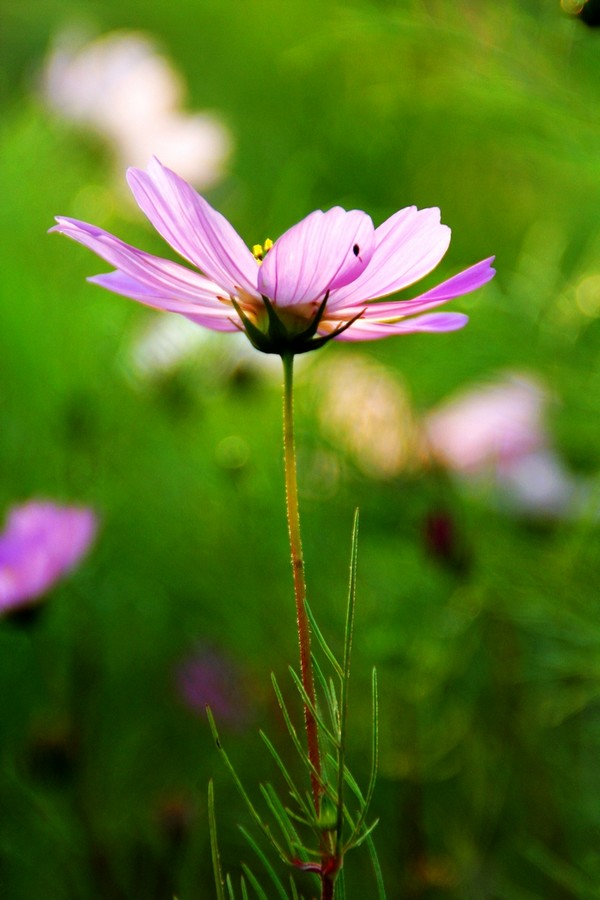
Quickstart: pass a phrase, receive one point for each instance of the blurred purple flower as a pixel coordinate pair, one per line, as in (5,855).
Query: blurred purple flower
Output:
(319,278)
(40,544)
(207,678)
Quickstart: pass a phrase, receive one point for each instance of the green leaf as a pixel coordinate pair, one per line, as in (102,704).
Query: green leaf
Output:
(340,886)
(374,760)
(328,690)
(230,890)
(348,634)
(334,703)
(253,881)
(293,734)
(253,812)
(310,823)
(267,865)
(322,642)
(377,869)
(295,793)
(281,816)
(366,834)
(307,702)
(574,881)
(214,848)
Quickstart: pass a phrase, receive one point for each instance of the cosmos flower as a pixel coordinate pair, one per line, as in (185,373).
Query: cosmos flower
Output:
(316,282)
(40,544)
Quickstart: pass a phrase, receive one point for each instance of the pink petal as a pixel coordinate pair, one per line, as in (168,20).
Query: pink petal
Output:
(372,331)
(122,284)
(193,228)
(408,246)
(224,323)
(180,289)
(322,252)
(460,284)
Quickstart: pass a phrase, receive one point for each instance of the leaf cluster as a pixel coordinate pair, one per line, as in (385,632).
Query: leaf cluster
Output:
(290,827)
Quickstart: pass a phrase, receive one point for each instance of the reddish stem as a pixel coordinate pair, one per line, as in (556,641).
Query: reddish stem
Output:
(293,517)
(327,887)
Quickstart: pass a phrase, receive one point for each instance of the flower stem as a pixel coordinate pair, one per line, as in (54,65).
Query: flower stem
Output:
(328,888)
(293,517)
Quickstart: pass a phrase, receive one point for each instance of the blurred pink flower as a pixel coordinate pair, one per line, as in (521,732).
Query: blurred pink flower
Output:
(489,426)
(123,88)
(40,544)
(499,430)
(208,678)
(320,277)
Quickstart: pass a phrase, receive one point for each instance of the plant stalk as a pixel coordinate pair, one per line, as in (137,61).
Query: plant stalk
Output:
(293,517)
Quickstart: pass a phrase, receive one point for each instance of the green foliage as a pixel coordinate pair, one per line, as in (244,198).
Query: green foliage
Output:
(327,836)
(489,733)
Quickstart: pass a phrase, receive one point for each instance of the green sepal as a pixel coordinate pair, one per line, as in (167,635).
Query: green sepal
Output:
(257,338)
(278,338)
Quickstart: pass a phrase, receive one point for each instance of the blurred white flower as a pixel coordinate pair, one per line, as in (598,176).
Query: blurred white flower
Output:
(123,88)
(163,344)
(538,482)
(365,410)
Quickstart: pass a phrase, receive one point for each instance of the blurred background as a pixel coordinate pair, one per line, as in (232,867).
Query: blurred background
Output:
(474,456)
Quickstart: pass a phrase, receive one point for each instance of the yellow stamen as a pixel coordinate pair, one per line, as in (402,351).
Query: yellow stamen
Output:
(259,251)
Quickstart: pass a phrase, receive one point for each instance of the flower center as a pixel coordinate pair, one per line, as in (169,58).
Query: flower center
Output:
(259,251)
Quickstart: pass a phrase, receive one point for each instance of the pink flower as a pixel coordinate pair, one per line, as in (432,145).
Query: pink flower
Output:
(319,278)
(489,426)
(495,435)
(40,544)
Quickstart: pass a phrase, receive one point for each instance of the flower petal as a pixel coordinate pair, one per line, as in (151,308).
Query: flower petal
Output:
(363,330)
(463,283)
(322,252)
(466,281)
(204,314)
(153,276)
(223,323)
(219,318)
(408,246)
(193,228)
